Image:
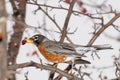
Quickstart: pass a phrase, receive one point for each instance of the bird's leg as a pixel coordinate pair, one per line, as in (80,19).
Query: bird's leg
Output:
(73,64)
(52,73)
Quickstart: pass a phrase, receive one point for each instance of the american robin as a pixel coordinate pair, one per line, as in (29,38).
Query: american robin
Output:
(56,52)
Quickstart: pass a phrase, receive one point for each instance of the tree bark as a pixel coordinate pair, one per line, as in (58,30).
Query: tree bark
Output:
(19,11)
(3,53)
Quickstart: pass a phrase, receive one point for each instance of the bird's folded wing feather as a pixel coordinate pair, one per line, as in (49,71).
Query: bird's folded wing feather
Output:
(58,48)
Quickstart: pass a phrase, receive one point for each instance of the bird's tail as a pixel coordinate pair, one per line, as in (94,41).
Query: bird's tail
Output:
(78,60)
(102,47)
(94,48)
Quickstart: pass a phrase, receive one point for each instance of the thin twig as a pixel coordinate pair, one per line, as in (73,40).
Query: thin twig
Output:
(102,29)
(39,8)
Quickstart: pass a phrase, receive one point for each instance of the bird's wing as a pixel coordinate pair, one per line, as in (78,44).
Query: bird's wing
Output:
(58,48)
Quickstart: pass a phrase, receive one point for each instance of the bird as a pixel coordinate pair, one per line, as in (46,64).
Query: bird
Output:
(55,51)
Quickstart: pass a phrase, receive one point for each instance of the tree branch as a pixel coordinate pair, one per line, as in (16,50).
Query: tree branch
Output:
(102,29)
(69,76)
(64,31)
(3,39)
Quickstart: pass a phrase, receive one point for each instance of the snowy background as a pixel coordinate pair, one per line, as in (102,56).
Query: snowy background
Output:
(83,24)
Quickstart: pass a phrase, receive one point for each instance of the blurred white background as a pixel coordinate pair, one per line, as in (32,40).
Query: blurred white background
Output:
(83,24)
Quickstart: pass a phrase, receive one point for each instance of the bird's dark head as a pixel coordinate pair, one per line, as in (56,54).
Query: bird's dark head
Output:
(36,39)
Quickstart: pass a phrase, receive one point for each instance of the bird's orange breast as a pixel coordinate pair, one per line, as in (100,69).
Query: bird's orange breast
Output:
(51,57)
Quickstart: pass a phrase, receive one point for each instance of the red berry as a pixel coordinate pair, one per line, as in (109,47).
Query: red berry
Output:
(67,1)
(1,36)
(35,53)
(24,42)
(80,3)
(16,44)
(83,10)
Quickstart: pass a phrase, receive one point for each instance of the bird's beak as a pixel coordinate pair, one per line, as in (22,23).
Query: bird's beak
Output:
(27,40)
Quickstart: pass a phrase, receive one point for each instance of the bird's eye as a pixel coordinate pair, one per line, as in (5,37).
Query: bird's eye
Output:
(35,37)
